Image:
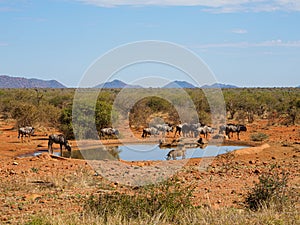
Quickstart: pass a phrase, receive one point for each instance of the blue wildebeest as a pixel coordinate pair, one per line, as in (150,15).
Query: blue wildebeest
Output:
(232,128)
(110,132)
(58,139)
(164,128)
(150,131)
(178,129)
(204,130)
(174,153)
(186,129)
(25,131)
(189,129)
(222,129)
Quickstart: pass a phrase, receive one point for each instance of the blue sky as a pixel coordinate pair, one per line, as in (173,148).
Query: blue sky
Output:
(243,42)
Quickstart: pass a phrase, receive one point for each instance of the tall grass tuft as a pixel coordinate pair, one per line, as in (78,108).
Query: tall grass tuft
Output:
(271,190)
(167,201)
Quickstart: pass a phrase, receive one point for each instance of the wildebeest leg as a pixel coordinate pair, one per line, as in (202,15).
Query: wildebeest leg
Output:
(61,149)
(238,135)
(50,150)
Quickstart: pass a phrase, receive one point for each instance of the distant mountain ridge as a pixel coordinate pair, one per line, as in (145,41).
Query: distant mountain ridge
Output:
(173,84)
(179,84)
(116,84)
(21,82)
(219,85)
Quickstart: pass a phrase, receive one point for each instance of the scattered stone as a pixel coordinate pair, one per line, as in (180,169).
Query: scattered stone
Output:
(15,163)
(256,171)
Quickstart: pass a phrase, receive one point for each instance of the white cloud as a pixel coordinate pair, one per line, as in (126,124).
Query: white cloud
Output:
(271,43)
(215,6)
(3,44)
(239,31)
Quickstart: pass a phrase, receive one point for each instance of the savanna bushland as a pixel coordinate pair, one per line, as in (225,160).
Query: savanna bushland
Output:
(53,107)
(234,189)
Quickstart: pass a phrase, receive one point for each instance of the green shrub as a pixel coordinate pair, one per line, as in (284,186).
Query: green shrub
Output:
(271,190)
(168,199)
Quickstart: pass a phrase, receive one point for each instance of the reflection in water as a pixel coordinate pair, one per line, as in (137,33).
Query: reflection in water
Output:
(109,153)
(137,152)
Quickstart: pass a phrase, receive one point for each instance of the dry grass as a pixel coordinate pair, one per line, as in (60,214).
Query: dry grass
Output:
(227,216)
(166,203)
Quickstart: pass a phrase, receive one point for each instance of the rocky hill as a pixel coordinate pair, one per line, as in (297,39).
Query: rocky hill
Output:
(179,84)
(116,84)
(21,82)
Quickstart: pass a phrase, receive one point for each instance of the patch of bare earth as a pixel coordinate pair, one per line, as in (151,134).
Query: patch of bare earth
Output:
(44,184)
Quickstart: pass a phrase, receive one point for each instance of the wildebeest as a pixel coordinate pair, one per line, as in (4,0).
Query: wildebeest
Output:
(25,131)
(58,139)
(150,131)
(110,132)
(189,129)
(232,128)
(186,129)
(163,128)
(222,129)
(174,153)
(178,129)
(204,130)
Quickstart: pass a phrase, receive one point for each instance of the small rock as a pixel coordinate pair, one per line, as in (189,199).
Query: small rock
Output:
(219,201)
(256,171)
(15,163)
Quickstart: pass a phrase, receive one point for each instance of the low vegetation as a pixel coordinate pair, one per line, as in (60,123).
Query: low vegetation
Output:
(167,202)
(271,191)
(171,203)
(53,107)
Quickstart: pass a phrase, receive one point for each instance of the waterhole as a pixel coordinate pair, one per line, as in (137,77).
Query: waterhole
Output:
(141,152)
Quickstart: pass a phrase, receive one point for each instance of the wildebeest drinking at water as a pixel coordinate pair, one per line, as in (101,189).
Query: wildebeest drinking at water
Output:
(180,152)
(173,154)
(58,139)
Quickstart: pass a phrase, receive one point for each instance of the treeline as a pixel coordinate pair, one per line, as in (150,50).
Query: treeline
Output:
(53,107)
